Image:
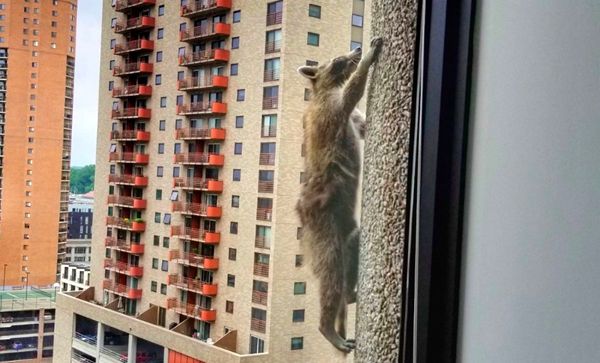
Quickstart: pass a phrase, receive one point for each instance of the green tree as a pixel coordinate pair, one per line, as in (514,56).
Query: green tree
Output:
(82,179)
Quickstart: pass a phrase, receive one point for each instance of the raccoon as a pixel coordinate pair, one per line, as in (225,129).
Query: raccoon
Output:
(327,202)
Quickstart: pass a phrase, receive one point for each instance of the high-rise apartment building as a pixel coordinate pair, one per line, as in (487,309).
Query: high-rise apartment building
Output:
(37,59)
(199,166)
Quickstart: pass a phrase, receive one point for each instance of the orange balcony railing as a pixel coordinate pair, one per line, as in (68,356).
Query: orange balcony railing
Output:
(195,234)
(123,268)
(126,5)
(130,135)
(204,7)
(200,134)
(200,159)
(202,108)
(123,245)
(193,259)
(139,23)
(131,68)
(210,185)
(266,159)
(131,113)
(129,157)
(197,209)
(128,179)
(258,325)
(261,269)
(264,214)
(128,202)
(259,297)
(205,32)
(122,290)
(204,57)
(199,83)
(138,45)
(136,90)
(124,223)
(265,186)
(194,285)
(272,46)
(191,310)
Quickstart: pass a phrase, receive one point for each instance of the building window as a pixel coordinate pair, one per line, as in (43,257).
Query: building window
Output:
(157,217)
(357,20)
(354,45)
(159,56)
(235,201)
(233,70)
(155,263)
(163,102)
(153,286)
(229,306)
(233,227)
(232,254)
(237,16)
(314,11)
(235,42)
(158,194)
(230,280)
(237,174)
(299,233)
(299,260)
(257,345)
(269,126)
(298,316)
(160,33)
(163,289)
(111,64)
(113,42)
(156,241)
(306,94)
(178,124)
(167,218)
(159,171)
(241,95)
(297,343)
(161,148)
(158,79)
(166,242)
(313,39)
(111,85)
(237,148)
(161,10)
(299,288)
(164,265)
(239,122)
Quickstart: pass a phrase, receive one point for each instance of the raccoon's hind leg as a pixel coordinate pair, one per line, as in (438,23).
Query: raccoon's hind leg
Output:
(351,265)
(358,121)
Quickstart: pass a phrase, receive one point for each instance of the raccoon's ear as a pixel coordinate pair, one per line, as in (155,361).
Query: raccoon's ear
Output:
(308,72)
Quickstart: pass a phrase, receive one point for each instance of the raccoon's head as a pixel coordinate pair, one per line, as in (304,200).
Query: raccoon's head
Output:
(333,73)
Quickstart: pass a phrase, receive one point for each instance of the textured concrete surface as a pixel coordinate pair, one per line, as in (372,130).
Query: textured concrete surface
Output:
(385,183)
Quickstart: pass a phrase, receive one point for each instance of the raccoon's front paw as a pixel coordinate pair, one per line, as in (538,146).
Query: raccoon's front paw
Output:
(376,46)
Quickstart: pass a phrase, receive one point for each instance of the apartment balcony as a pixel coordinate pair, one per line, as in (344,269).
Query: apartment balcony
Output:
(205,32)
(129,157)
(133,68)
(272,46)
(193,285)
(126,202)
(202,108)
(203,8)
(266,159)
(131,113)
(122,290)
(129,5)
(209,185)
(126,224)
(191,310)
(135,24)
(130,135)
(133,46)
(128,179)
(195,234)
(204,57)
(271,75)
(136,90)
(274,18)
(200,134)
(264,214)
(197,209)
(123,268)
(262,242)
(193,259)
(258,325)
(261,269)
(123,245)
(270,103)
(265,186)
(200,159)
(259,297)
(204,83)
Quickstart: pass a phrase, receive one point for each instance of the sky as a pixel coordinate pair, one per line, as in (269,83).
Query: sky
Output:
(87,72)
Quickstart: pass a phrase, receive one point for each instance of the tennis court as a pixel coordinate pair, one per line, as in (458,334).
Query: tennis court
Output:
(31,294)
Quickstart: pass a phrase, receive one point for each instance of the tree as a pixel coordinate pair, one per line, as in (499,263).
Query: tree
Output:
(82,179)
(385,183)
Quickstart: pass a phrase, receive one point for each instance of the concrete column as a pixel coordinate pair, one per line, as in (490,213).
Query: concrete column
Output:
(131,348)
(385,183)
(99,339)
(40,346)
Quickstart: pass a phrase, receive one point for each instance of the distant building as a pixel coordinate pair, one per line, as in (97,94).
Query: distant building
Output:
(74,276)
(81,208)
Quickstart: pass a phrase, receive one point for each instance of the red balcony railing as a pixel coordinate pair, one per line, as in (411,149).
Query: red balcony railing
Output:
(124,223)
(210,185)
(264,214)
(136,90)
(193,285)
(129,157)
(272,46)
(274,18)
(205,31)
(137,45)
(200,134)
(196,234)
(258,325)
(129,202)
(123,245)
(270,103)
(139,23)
(266,159)
(130,135)
(259,297)
(261,269)
(204,57)
(125,5)
(207,82)
(128,179)
(191,310)
(197,209)
(123,268)
(200,159)
(193,259)
(122,290)
(204,7)
(132,68)
(131,113)
(202,108)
